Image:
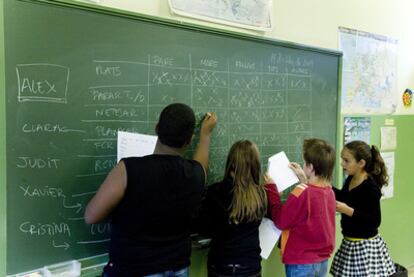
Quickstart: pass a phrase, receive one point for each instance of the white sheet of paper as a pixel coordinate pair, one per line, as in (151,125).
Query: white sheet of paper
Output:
(389,160)
(135,145)
(388,138)
(268,236)
(280,172)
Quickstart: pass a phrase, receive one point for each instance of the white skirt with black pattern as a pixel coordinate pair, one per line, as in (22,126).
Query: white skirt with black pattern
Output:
(362,258)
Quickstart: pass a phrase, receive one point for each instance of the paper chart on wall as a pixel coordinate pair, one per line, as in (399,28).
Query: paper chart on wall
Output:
(357,128)
(389,160)
(388,138)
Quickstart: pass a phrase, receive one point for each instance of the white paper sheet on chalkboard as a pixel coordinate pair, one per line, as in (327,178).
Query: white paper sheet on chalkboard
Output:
(135,145)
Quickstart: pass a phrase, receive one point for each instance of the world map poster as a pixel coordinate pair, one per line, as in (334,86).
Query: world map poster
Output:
(369,79)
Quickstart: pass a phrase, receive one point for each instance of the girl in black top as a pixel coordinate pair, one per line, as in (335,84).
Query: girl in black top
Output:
(362,252)
(231,213)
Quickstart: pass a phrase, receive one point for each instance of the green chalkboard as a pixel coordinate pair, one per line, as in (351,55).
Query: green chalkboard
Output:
(76,75)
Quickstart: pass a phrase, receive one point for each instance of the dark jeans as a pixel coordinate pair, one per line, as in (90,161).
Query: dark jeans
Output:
(169,273)
(232,270)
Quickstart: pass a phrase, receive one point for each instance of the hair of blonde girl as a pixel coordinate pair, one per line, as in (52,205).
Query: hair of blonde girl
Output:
(249,202)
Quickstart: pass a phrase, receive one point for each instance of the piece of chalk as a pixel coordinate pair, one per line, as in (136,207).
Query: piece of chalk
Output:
(35,274)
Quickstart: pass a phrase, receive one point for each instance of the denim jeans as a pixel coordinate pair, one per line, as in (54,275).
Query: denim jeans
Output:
(232,270)
(307,270)
(170,273)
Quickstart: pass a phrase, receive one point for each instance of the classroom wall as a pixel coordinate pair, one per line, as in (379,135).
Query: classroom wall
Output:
(397,213)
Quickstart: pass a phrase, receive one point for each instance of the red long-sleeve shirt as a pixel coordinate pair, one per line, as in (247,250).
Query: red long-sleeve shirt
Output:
(307,221)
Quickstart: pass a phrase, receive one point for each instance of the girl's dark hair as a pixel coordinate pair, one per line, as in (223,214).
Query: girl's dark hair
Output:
(249,201)
(176,125)
(374,164)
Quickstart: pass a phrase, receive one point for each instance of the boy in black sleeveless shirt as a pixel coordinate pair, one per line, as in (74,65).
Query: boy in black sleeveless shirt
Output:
(150,200)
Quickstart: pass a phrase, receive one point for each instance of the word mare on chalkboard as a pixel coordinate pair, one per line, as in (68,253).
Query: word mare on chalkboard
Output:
(70,90)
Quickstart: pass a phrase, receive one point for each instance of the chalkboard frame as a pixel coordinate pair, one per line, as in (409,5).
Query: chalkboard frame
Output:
(135,16)
(3,183)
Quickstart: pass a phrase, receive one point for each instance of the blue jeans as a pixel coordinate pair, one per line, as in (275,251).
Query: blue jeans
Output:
(307,270)
(233,270)
(170,273)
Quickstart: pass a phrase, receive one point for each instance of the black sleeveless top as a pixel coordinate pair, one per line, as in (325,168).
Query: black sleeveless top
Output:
(150,227)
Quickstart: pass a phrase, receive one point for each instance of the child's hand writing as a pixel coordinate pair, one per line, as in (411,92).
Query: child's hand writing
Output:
(208,123)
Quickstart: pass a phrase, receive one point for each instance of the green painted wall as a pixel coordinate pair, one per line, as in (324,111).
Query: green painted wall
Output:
(397,212)
(397,226)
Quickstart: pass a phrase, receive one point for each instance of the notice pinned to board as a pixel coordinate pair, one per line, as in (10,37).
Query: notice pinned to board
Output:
(389,160)
(135,145)
(280,172)
(357,128)
(388,138)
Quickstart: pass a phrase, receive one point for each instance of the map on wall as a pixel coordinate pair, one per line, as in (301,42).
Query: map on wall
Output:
(250,14)
(369,79)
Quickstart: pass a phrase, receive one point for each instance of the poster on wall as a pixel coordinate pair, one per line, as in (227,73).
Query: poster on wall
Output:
(389,160)
(357,128)
(369,78)
(407,98)
(388,138)
(250,14)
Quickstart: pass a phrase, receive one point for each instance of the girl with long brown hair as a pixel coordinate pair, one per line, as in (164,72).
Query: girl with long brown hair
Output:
(231,213)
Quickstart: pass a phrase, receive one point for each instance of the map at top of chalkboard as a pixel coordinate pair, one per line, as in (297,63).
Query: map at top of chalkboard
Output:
(251,14)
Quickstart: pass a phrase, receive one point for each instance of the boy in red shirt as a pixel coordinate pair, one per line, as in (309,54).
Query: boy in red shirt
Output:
(307,218)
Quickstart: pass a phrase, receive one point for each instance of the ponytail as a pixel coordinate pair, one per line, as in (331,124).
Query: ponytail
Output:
(374,164)
(378,170)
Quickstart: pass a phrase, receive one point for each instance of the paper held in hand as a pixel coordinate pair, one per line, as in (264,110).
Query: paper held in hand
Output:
(135,145)
(279,171)
(268,236)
